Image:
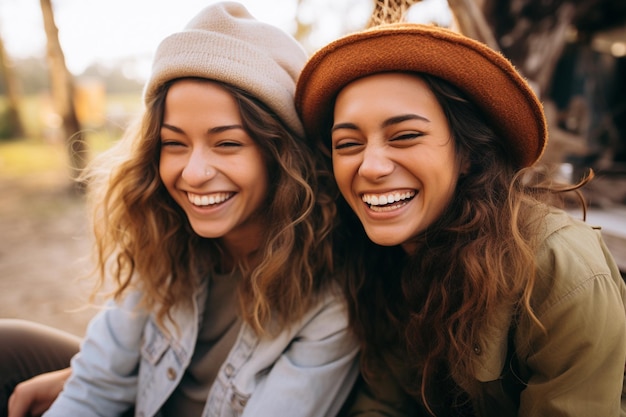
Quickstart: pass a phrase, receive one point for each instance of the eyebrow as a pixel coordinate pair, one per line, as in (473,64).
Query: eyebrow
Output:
(402,118)
(217,129)
(388,122)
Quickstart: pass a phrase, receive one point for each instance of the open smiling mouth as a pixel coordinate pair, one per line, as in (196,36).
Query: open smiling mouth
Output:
(387,202)
(208,200)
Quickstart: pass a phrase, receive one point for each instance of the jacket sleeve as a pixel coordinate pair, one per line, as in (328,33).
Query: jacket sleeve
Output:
(104,372)
(575,368)
(313,376)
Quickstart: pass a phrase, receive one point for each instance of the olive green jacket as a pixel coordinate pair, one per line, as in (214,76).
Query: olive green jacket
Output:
(575,368)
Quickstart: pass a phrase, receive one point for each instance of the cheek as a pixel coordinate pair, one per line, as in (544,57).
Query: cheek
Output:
(256,178)
(163,169)
(167,169)
(260,184)
(447,188)
(342,176)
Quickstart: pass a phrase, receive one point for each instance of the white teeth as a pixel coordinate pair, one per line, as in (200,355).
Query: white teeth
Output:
(384,199)
(207,200)
(381,209)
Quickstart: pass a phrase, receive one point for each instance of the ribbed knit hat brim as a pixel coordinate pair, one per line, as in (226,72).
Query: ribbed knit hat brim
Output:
(485,76)
(225,43)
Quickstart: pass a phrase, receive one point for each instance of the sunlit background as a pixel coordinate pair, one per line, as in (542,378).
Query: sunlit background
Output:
(125,33)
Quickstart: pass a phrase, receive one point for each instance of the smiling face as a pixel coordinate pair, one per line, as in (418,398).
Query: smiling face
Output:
(393,156)
(211,166)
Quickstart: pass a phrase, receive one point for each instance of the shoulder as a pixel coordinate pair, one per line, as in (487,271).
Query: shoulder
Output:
(564,238)
(579,299)
(571,259)
(327,314)
(321,336)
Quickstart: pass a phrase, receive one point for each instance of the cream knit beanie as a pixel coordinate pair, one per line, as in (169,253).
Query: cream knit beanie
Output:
(225,43)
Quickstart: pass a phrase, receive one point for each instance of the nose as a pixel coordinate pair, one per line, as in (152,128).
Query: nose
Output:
(375,164)
(199,168)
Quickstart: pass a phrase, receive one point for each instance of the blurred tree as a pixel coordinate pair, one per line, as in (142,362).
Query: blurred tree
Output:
(113,78)
(472,22)
(531,33)
(62,88)
(534,33)
(31,74)
(14,128)
(551,42)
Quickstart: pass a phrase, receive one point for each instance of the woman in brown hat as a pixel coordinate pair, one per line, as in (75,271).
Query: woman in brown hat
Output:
(470,293)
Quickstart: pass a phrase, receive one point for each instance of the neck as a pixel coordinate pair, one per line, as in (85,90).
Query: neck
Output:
(239,255)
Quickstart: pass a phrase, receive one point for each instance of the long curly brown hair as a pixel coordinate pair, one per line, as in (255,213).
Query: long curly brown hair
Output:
(144,241)
(429,306)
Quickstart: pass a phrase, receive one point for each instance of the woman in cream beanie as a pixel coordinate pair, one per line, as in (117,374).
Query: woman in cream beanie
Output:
(212,230)
(471,294)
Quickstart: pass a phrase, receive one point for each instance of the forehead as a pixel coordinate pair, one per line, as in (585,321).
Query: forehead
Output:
(386,93)
(386,80)
(388,85)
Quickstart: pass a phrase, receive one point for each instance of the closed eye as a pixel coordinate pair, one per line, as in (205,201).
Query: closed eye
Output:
(345,144)
(170,143)
(407,136)
(229,144)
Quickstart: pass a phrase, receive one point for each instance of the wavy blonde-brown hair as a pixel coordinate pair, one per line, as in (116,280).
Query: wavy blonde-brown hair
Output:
(479,256)
(144,241)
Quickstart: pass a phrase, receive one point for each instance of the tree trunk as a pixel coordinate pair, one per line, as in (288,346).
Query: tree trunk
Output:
(472,22)
(532,35)
(62,87)
(16,128)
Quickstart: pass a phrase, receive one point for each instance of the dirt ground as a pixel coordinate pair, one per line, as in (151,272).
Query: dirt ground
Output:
(44,253)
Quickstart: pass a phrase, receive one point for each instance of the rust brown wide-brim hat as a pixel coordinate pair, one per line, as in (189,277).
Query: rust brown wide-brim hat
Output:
(484,75)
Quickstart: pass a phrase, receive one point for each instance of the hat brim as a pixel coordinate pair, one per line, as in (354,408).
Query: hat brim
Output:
(485,76)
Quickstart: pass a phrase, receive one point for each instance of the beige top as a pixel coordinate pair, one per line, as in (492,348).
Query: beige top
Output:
(217,334)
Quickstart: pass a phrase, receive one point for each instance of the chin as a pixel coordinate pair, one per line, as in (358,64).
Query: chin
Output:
(207,234)
(385,240)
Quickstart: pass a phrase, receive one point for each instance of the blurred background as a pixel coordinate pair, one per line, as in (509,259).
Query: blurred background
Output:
(72,72)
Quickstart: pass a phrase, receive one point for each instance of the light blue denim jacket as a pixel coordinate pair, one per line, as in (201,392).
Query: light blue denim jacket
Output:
(127,360)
